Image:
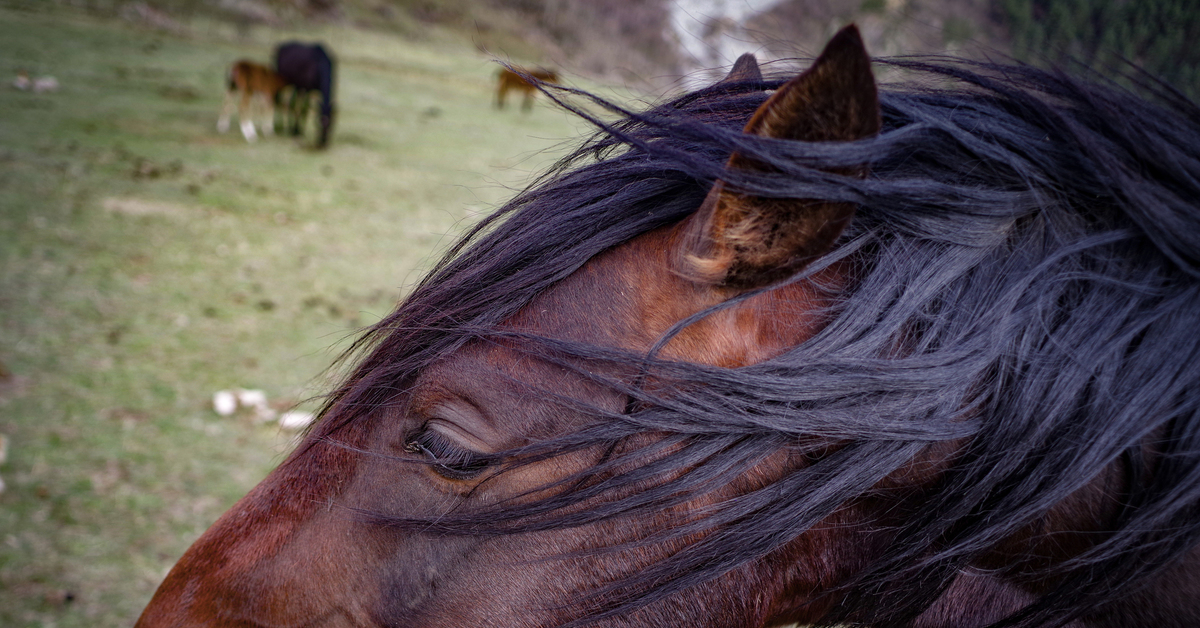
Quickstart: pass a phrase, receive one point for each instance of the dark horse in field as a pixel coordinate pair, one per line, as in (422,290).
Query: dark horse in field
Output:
(523,80)
(774,351)
(308,69)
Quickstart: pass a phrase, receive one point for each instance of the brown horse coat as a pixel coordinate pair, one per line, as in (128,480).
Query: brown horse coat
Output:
(519,79)
(255,87)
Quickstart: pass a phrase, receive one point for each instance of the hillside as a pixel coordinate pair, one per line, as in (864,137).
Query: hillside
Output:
(148,262)
(654,45)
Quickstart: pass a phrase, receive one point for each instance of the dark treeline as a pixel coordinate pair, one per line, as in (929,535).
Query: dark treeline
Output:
(1158,35)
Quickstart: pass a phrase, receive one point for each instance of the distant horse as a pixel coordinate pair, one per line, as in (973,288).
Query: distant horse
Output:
(773,351)
(251,84)
(308,68)
(519,79)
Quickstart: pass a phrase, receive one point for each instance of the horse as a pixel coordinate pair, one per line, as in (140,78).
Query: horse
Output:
(783,349)
(308,69)
(523,80)
(255,84)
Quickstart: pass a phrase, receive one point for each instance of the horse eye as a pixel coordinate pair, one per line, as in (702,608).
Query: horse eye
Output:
(448,460)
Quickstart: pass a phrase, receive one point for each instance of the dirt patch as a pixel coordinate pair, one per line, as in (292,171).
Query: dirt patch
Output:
(13,387)
(130,206)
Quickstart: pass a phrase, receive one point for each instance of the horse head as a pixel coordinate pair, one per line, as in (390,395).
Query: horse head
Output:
(802,361)
(299,549)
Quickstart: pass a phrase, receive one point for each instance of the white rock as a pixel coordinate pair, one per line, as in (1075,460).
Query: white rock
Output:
(224,402)
(263,414)
(45,84)
(295,419)
(251,398)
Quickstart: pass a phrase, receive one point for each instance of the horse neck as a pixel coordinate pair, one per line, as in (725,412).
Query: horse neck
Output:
(325,83)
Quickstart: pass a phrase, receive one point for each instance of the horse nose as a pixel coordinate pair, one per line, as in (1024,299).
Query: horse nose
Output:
(279,557)
(164,613)
(226,579)
(175,606)
(278,573)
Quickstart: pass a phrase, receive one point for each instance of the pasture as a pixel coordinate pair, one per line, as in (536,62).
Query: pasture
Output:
(147,261)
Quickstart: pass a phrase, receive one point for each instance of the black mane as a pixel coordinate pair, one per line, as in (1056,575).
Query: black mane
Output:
(1030,282)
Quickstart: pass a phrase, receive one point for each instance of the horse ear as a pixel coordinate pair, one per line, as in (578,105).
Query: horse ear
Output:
(745,242)
(744,69)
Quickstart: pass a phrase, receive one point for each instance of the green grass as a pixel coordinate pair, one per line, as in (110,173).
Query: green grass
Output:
(146,262)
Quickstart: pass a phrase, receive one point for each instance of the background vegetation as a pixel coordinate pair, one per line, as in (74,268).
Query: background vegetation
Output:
(1158,35)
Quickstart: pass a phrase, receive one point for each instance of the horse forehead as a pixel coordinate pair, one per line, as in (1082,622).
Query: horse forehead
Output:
(629,296)
(624,297)
(620,299)
(604,303)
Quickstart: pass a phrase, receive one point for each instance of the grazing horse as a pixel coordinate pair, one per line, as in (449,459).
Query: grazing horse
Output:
(775,351)
(308,69)
(523,80)
(251,83)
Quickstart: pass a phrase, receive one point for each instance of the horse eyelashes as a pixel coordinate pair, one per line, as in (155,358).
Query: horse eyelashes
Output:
(448,460)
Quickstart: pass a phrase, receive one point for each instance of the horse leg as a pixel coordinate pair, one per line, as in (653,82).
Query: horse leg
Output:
(280,108)
(245,117)
(267,109)
(527,104)
(501,91)
(302,113)
(289,114)
(226,111)
(299,111)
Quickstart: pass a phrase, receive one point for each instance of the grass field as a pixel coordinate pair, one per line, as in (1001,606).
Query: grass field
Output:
(147,262)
